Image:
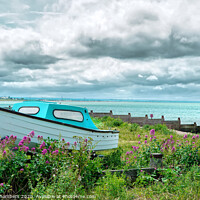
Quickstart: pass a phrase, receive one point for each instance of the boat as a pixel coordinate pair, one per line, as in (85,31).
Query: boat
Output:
(53,120)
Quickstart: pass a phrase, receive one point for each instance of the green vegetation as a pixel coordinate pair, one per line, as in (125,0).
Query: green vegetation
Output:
(56,172)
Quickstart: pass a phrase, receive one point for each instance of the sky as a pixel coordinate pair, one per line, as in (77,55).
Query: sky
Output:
(108,49)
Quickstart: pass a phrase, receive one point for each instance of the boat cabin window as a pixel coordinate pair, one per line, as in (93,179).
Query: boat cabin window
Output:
(69,115)
(29,110)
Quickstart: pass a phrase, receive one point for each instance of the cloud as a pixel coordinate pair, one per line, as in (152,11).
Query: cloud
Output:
(129,49)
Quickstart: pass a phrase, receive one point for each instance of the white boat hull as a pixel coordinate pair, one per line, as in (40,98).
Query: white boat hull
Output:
(14,123)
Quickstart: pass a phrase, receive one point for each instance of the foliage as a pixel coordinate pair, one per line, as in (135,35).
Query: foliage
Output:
(56,170)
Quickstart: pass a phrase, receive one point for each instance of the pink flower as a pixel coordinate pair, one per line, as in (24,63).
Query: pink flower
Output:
(139,142)
(20,144)
(146,136)
(4,153)
(197,136)
(32,133)
(193,137)
(138,136)
(179,145)
(127,153)
(86,140)
(44,151)
(63,140)
(152,132)
(145,141)
(185,136)
(26,149)
(38,136)
(68,143)
(151,115)
(171,136)
(1,184)
(135,157)
(33,149)
(75,143)
(47,162)
(154,137)
(21,169)
(173,149)
(131,152)
(189,154)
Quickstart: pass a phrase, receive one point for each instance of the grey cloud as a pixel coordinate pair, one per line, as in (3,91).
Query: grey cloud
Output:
(30,56)
(137,47)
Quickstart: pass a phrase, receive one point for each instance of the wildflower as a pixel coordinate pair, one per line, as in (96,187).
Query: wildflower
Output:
(185,136)
(193,142)
(171,136)
(47,162)
(4,153)
(75,143)
(86,140)
(127,158)
(131,152)
(138,136)
(141,170)
(1,184)
(154,137)
(197,136)
(146,136)
(193,137)
(127,153)
(137,147)
(20,144)
(44,152)
(63,140)
(15,148)
(173,149)
(21,169)
(38,137)
(49,148)
(189,154)
(32,133)
(135,157)
(145,141)
(161,150)
(26,149)
(151,138)
(139,142)
(69,143)
(179,145)
(33,149)
(152,132)
(151,115)
(25,138)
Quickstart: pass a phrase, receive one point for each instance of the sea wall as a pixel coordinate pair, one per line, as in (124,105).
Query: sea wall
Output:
(171,124)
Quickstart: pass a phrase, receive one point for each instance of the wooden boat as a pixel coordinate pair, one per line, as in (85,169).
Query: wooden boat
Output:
(54,120)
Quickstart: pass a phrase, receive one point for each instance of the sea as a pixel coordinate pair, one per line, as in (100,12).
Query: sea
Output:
(189,112)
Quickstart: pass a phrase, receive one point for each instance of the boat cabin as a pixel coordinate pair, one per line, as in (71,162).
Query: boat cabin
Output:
(72,115)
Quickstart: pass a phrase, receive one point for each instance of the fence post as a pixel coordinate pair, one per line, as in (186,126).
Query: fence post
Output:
(129,117)
(179,123)
(111,113)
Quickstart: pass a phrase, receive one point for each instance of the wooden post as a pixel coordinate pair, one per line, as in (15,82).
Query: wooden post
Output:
(179,123)
(111,113)
(129,117)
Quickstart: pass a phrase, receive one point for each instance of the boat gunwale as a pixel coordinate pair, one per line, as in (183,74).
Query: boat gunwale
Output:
(56,122)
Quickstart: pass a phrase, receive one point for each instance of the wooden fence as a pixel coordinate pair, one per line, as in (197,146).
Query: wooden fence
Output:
(172,124)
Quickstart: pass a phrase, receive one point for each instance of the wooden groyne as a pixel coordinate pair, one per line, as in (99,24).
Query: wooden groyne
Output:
(171,124)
